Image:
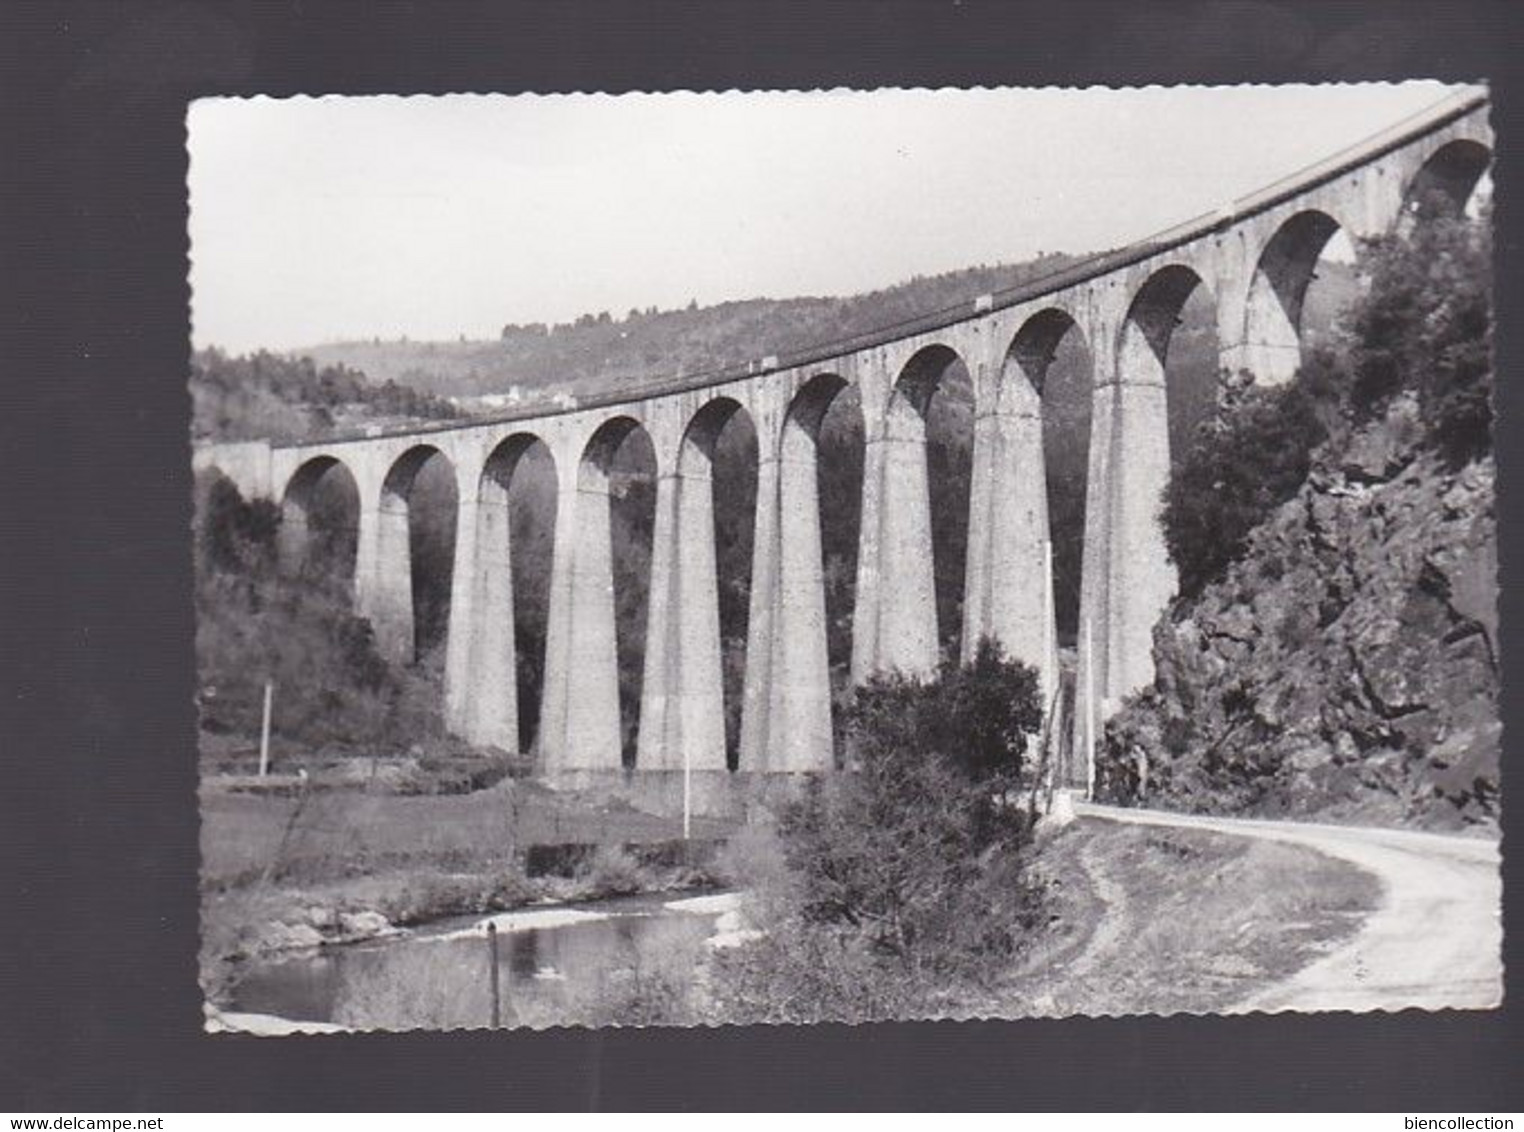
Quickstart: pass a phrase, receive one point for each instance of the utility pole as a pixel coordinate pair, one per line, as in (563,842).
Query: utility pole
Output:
(264,731)
(687,791)
(1049,681)
(1089,713)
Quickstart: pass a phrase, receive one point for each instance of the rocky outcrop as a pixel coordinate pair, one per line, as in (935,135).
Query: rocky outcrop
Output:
(1347,665)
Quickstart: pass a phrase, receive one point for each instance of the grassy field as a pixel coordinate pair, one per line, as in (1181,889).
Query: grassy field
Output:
(1154,920)
(338,834)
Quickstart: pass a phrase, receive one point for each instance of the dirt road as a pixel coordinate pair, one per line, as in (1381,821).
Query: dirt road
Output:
(1435,941)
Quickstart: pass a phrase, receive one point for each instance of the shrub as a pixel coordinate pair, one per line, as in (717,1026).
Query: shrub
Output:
(613,872)
(975,716)
(902,879)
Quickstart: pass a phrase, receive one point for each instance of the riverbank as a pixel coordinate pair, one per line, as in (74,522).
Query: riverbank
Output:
(318,866)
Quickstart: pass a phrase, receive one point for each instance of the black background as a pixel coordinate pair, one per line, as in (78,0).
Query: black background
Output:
(99,1007)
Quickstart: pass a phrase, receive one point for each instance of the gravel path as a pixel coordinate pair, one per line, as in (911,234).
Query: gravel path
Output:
(1435,941)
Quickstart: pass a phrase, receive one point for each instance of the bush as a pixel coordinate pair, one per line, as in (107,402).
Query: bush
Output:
(613,872)
(902,880)
(975,716)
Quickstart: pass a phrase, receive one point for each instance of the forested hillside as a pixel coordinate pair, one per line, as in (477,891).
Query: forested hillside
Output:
(274,397)
(600,352)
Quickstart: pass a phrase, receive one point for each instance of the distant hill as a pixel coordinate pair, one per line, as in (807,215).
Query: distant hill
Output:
(275,397)
(601,352)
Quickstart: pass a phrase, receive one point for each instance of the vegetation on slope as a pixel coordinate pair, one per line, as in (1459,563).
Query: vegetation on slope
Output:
(270,397)
(1335,650)
(600,352)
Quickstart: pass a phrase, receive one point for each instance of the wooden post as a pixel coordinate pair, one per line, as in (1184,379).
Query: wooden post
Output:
(497,1007)
(264,731)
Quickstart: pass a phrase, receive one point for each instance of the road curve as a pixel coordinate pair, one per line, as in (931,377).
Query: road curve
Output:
(1435,940)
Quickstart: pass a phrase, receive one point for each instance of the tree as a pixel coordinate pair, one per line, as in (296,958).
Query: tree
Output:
(916,849)
(1426,327)
(1247,458)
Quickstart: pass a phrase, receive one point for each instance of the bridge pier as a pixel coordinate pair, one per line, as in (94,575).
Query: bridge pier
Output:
(1008,594)
(761,623)
(896,624)
(1127,579)
(481,678)
(682,710)
(384,577)
(580,723)
(787,725)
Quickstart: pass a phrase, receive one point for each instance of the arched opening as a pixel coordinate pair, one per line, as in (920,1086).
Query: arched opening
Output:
(1305,277)
(1170,335)
(320,521)
(1446,183)
(1051,353)
(839,474)
(620,462)
(821,496)
(419,496)
(518,502)
(933,405)
(720,445)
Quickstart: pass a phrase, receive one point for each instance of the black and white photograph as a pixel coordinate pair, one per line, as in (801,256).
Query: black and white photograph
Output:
(844,555)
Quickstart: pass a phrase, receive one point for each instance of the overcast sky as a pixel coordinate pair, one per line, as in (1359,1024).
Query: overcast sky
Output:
(314,220)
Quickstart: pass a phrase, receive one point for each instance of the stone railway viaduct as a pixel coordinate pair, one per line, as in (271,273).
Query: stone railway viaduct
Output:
(1255,257)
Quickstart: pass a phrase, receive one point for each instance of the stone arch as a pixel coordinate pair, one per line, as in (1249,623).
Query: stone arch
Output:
(504,459)
(703,430)
(598,453)
(615,510)
(932,437)
(1155,309)
(415,553)
(918,381)
(1034,346)
(511,564)
(320,518)
(1272,314)
(814,565)
(717,459)
(1169,299)
(1444,183)
(808,407)
(1054,335)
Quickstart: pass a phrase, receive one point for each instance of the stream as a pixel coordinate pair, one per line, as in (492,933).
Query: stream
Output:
(556,965)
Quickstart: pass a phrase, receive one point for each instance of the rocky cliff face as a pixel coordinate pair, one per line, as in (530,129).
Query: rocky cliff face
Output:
(1347,666)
